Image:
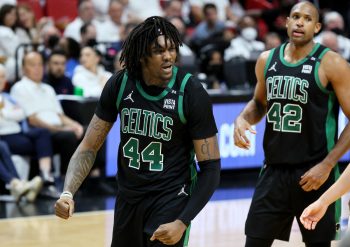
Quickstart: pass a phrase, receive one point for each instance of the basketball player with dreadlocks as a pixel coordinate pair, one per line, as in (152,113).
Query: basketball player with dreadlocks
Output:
(166,119)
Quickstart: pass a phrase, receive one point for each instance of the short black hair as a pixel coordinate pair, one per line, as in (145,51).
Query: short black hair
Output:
(138,43)
(57,52)
(311,5)
(4,10)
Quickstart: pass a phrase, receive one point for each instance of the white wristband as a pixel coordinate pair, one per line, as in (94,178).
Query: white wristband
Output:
(67,194)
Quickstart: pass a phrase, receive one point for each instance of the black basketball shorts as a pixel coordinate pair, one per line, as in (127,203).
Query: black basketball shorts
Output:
(278,198)
(134,224)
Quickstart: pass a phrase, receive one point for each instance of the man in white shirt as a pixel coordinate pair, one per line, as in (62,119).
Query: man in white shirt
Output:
(334,22)
(109,30)
(86,13)
(44,110)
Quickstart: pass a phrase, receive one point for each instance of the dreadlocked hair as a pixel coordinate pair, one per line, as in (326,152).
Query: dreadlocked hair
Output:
(138,43)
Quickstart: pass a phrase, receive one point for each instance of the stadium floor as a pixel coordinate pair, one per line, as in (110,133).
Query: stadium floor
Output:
(220,224)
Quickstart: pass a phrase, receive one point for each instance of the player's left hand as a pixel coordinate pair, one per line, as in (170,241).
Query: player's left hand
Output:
(169,233)
(315,177)
(313,214)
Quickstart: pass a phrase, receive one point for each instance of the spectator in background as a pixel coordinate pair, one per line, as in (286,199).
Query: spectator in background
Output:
(90,75)
(43,109)
(28,30)
(101,9)
(9,41)
(184,50)
(50,38)
(72,50)
(55,77)
(144,9)
(197,7)
(272,40)
(207,31)
(330,40)
(8,174)
(110,29)
(234,11)
(214,70)
(86,14)
(88,35)
(23,140)
(275,18)
(334,22)
(245,45)
(173,9)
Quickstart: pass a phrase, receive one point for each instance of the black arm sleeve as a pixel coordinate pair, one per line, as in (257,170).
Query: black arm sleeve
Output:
(208,181)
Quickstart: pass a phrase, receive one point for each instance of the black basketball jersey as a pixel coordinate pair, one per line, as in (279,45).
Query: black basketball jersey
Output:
(302,115)
(156,150)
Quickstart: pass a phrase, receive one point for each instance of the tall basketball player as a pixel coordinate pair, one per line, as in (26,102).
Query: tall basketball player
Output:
(166,118)
(299,85)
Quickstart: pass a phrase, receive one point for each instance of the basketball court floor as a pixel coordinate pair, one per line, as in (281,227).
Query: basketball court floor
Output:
(220,224)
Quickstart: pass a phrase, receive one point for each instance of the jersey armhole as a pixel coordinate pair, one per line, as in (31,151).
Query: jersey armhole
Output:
(317,77)
(268,61)
(181,98)
(121,89)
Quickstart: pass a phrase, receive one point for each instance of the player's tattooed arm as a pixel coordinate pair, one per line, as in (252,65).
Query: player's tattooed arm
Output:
(84,157)
(207,149)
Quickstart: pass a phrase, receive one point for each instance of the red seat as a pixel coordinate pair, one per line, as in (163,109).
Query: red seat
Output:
(258,4)
(62,9)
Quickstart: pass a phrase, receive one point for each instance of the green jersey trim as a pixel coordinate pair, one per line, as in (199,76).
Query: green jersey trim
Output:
(317,77)
(121,90)
(268,61)
(330,123)
(187,236)
(163,93)
(314,49)
(181,98)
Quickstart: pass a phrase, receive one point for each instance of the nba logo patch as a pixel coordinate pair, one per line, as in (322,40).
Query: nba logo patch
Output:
(306,69)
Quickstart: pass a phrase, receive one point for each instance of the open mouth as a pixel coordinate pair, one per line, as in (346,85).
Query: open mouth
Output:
(298,33)
(167,68)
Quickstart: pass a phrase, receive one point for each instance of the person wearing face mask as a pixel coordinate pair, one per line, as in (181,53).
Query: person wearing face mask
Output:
(245,45)
(334,22)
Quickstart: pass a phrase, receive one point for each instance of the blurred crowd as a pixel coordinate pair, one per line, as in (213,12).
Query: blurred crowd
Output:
(43,55)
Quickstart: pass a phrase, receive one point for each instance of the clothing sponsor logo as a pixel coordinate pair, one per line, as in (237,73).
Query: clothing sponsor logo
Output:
(169,104)
(129,97)
(182,191)
(273,67)
(306,69)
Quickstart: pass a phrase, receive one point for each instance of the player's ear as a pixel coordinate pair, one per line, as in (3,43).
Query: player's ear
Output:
(317,27)
(287,22)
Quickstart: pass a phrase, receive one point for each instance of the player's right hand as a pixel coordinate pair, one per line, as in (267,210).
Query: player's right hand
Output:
(64,207)
(240,138)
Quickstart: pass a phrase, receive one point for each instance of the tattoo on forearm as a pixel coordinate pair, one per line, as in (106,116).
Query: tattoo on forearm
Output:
(99,129)
(79,167)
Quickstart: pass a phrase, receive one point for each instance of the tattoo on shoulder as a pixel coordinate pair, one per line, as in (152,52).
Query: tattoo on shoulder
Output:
(99,129)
